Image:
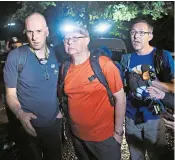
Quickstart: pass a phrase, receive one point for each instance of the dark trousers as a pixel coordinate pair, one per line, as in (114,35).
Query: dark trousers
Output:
(12,123)
(46,146)
(108,149)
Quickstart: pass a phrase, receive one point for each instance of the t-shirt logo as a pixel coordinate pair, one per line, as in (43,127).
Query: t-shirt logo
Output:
(55,71)
(52,65)
(139,79)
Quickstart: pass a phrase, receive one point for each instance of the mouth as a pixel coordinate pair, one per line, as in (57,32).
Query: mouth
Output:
(36,43)
(136,42)
(70,48)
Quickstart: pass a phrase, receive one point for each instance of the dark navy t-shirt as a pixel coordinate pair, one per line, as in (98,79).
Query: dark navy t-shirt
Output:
(138,85)
(36,86)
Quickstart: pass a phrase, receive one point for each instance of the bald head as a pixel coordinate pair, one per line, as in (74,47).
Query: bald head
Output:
(36,17)
(36,30)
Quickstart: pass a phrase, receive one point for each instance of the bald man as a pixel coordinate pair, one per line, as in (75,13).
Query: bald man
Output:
(31,94)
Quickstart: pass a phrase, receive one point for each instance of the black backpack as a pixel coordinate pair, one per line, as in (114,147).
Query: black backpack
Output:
(94,62)
(162,70)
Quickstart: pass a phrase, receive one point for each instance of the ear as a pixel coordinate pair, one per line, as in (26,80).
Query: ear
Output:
(150,37)
(87,40)
(47,31)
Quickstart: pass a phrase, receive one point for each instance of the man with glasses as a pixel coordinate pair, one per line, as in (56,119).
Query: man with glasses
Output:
(97,126)
(32,94)
(143,122)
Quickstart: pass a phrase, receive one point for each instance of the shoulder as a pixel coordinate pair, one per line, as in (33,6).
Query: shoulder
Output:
(167,56)
(104,60)
(51,49)
(126,56)
(12,55)
(167,53)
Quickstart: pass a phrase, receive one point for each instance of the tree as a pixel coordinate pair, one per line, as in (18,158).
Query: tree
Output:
(88,12)
(121,13)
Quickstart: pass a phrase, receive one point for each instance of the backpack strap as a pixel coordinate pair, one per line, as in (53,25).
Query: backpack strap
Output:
(125,62)
(163,71)
(158,60)
(22,58)
(94,62)
(60,91)
(63,71)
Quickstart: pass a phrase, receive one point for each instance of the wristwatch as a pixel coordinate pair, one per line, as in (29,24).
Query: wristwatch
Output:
(120,133)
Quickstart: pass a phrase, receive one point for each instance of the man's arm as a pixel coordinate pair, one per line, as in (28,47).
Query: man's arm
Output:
(120,110)
(15,106)
(12,101)
(166,87)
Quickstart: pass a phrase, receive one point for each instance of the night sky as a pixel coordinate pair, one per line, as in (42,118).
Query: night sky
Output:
(7,8)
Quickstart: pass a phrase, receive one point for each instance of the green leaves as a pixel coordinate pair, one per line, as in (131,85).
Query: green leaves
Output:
(88,12)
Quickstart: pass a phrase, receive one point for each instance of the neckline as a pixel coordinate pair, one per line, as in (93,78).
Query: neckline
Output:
(79,65)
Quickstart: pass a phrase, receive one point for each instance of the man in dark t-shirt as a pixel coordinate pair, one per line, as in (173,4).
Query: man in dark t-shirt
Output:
(32,94)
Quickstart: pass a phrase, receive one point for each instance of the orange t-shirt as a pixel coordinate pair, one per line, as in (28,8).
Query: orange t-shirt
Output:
(92,116)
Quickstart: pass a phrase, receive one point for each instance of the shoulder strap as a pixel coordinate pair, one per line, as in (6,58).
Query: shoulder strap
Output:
(63,72)
(162,70)
(158,61)
(22,57)
(125,61)
(94,62)
(60,91)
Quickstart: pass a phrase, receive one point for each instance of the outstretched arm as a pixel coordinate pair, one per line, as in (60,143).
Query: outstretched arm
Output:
(166,87)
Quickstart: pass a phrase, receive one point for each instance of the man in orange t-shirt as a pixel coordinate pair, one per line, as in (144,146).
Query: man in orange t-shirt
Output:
(97,126)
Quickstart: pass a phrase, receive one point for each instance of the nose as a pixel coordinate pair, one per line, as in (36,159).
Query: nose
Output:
(136,35)
(70,41)
(34,36)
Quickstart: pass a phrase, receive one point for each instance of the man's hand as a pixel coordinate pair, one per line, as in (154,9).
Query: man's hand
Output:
(118,138)
(156,93)
(25,118)
(166,87)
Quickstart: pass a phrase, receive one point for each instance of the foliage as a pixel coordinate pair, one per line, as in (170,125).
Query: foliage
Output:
(29,7)
(89,12)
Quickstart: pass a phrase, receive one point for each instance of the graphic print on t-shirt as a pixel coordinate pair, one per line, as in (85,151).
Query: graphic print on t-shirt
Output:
(139,79)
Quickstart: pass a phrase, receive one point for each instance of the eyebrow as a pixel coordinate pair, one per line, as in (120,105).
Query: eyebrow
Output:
(34,30)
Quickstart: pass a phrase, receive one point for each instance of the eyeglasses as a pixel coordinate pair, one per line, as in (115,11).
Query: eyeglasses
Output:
(140,33)
(73,39)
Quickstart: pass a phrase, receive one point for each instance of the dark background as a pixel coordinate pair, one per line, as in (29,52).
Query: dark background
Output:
(163,28)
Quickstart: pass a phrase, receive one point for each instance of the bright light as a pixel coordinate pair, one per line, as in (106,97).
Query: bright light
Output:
(68,27)
(103,27)
(11,24)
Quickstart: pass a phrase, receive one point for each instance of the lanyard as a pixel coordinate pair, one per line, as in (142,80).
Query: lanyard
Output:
(42,60)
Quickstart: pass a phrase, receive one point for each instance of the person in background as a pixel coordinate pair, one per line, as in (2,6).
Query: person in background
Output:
(9,142)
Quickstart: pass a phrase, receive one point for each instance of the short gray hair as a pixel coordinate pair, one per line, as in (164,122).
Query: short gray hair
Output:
(80,29)
(150,27)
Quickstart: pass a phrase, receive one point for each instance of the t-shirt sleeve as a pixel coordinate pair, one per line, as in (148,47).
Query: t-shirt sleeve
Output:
(170,63)
(10,70)
(112,74)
